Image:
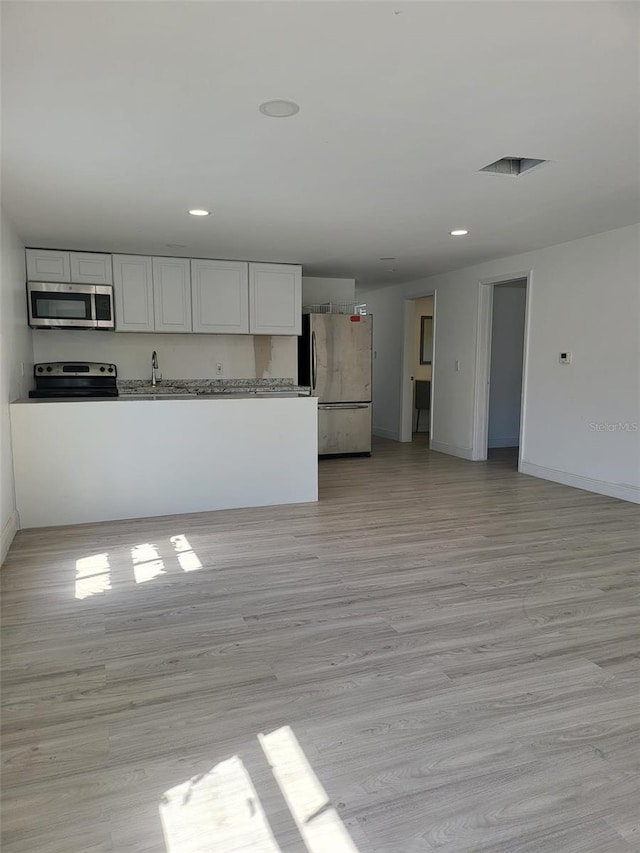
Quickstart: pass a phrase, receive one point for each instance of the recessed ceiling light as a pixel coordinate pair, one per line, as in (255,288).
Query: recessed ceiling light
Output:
(388,259)
(279,109)
(458,232)
(199,211)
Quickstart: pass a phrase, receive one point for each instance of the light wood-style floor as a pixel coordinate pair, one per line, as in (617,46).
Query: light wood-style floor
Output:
(439,656)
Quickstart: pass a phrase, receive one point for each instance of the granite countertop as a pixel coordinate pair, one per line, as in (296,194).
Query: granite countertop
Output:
(191,389)
(167,388)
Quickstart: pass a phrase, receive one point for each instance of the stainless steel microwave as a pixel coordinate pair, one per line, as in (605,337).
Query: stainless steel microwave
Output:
(70,306)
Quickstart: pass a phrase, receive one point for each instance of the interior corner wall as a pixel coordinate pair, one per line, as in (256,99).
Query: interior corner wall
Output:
(581,421)
(16,366)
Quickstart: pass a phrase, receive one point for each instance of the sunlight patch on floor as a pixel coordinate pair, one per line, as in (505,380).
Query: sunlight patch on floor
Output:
(93,575)
(187,557)
(147,564)
(219,810)
(318,823)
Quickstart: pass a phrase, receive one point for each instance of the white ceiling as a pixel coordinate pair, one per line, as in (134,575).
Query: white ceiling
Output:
(118,117)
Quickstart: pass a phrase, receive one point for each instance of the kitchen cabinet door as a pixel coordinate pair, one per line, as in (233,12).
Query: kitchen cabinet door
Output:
(275,299)
(133,293)
(48,265)
(220,296)
(172,294)
(91,268)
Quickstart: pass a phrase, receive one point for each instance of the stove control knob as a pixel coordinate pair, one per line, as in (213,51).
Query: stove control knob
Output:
(102,370)
(40,369)
(49,369)
(111,370)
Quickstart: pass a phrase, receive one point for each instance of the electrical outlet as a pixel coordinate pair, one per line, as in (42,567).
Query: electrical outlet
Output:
(219,369)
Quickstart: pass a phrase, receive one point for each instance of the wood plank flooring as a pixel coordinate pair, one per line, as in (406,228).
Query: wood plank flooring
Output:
(438,656)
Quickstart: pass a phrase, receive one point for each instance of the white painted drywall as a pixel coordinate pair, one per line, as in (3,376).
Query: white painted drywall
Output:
(507,350)
(387,308)
(584,297)
(16,365)
(319,291)
(180,356)
(140,458)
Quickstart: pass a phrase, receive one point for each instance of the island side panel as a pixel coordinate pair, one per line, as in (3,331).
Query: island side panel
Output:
(103,460)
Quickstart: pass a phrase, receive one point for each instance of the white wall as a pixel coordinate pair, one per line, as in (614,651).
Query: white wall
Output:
(386,307)
(507,351)
(16,359)
(584,297)
(319,291)
(179,356)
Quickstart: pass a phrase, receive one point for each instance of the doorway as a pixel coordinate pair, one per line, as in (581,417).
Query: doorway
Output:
(505,371)
(502,333)
(417,385)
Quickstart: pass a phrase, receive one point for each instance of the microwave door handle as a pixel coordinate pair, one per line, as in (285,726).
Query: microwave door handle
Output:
(314,361)
(92,302)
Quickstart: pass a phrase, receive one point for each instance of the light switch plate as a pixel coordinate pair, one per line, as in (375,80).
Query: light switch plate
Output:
(565,357)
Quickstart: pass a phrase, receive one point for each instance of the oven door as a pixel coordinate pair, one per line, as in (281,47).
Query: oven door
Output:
(70,306)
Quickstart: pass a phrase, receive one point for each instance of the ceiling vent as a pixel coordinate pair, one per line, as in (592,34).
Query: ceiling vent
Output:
(512,166)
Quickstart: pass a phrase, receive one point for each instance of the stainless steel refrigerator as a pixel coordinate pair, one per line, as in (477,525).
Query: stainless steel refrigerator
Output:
(334,358)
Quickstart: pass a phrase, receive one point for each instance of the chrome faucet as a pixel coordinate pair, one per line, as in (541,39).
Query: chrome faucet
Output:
(154,368)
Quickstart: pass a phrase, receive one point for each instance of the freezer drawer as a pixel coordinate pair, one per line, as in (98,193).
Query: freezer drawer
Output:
(344,428)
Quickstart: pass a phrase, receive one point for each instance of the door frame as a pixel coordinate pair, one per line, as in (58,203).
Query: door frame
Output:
(480,438)
(406,395)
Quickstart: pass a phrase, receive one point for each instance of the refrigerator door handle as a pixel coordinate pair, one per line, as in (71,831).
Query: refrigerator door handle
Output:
(344,406)
(314,361)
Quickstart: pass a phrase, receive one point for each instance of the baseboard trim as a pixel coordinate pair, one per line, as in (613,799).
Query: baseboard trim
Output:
(8,532)
(451,449)
(385,433)
(510,441)
(588,484)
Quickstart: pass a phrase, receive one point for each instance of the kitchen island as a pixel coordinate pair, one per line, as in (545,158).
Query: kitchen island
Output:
(134,456)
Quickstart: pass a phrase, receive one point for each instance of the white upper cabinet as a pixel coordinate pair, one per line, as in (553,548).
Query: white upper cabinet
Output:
(275,299)
(220,296)
(48,265)
(182,295)
(133,293)
(91,268)
(78,267)
(172,294)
